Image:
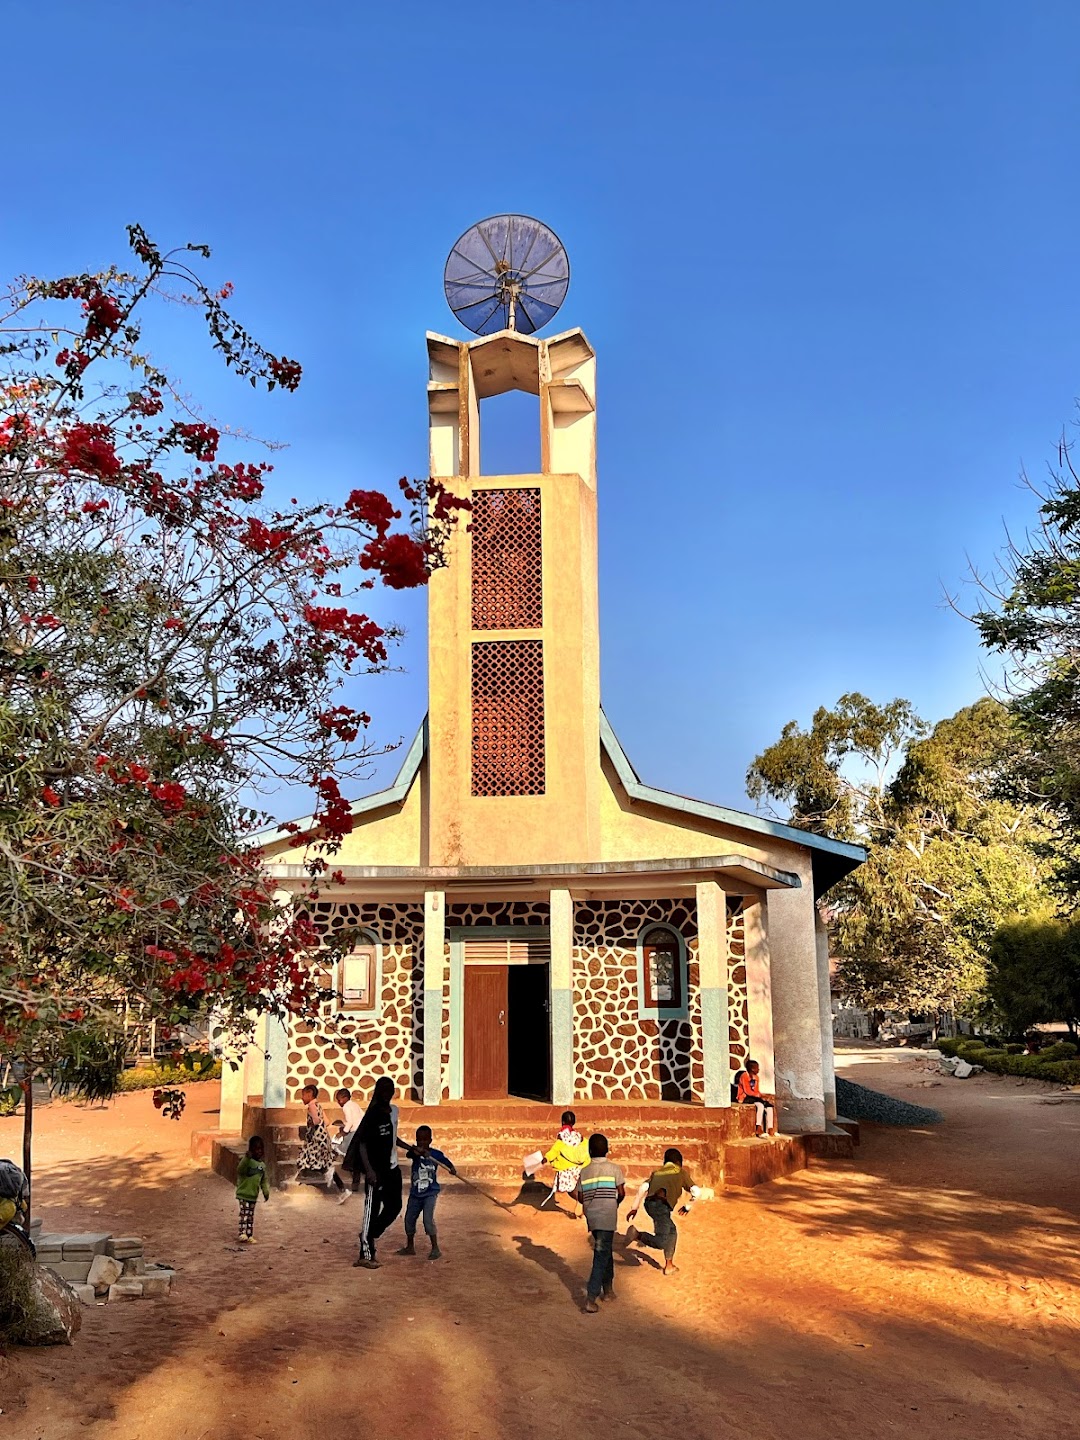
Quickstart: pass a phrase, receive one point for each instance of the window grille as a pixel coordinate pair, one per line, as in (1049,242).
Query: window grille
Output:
(508,717)
(507,562)
(487,951)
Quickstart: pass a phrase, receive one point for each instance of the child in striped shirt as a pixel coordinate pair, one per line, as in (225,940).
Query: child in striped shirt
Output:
(601,1190)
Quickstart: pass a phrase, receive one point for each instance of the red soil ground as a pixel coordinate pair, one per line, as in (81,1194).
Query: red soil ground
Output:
(930,1285)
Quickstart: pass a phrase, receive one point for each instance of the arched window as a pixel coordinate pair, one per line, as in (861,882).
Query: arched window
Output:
(661,972)
(358,975)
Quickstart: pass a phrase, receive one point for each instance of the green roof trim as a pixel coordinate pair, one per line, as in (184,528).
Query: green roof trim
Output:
(832,859)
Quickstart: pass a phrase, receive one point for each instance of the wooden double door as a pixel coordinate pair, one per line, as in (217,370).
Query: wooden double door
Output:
(507,1040)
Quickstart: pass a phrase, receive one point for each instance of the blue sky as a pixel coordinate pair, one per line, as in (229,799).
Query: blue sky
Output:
(826,254)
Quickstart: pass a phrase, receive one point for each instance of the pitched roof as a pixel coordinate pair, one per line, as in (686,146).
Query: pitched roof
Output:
(831,859)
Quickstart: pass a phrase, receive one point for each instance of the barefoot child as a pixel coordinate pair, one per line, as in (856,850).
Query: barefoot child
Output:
(250,1179)
(601,1190)
(424,1191)
(661,1194)
(749,1093)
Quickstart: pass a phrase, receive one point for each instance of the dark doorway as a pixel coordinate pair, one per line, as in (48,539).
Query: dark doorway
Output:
(529,1011)
(486,1032)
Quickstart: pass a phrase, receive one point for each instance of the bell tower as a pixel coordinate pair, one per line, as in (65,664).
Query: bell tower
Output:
(513,644)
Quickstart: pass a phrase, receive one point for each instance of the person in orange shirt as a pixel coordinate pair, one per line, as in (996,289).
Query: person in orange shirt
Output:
(749,1093)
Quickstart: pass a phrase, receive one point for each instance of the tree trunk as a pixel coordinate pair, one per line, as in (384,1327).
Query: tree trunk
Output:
(28,1135)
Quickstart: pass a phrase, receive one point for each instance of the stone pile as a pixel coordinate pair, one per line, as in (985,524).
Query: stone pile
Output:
(101,1267)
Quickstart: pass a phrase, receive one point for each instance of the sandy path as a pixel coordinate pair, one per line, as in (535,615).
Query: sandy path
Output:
(933,1282)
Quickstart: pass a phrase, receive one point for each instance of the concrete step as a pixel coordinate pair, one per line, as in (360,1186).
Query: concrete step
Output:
(753,1161)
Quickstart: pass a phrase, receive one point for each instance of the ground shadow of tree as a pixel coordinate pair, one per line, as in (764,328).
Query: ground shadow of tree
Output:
(493,1345)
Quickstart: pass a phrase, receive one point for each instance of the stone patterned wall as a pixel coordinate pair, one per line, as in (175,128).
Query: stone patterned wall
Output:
(617,1055)
(738,1003)
(355,1050)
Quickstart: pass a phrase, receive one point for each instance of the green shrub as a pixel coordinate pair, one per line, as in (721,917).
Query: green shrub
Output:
(1058,1063)
(149,1077)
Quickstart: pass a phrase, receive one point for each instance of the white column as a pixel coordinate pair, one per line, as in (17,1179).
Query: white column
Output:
(828,1064)
(434,980)
(796,1006)
(759,991)
(562,997)
(713,982)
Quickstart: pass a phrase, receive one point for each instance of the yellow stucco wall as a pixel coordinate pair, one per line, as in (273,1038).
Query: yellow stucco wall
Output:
(562,823)
(389,836)
(636,831)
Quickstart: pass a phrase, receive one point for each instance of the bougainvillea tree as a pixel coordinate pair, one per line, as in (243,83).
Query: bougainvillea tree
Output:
(170,645)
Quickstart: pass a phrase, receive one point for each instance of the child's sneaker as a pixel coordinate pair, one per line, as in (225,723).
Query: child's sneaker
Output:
(591,1307)
(345,1195)
(436,1253)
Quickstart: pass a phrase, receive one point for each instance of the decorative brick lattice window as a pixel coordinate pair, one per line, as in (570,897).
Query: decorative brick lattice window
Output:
(507,588)
(508,717)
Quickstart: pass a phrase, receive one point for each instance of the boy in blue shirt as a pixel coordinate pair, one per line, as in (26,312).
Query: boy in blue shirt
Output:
(424,1191)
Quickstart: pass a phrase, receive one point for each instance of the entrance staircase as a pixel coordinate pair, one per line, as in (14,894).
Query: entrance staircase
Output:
(488,1139)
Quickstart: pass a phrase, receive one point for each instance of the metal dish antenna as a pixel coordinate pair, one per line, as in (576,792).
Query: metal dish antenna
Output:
(508,272)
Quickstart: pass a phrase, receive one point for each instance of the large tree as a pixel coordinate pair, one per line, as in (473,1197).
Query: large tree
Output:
(950,858)
(170,646)
(1031,618)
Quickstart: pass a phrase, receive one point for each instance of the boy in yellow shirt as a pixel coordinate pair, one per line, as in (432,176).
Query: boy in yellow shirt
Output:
(661,1195)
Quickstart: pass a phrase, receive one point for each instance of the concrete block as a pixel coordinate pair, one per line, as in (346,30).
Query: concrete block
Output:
(87,1244)
(86,1294)
(160,1271)
(104,1271)
(74,1271)
(124,1246)
(126,1290)
(136,1265)
(154,1287)
(50,1240)
(48,1257)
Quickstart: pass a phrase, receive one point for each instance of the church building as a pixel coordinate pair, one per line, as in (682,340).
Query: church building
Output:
(531,919)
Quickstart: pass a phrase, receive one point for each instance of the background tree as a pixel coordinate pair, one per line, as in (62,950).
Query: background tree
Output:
(1034,974)
(170,646)
(1032,619)
(950,858)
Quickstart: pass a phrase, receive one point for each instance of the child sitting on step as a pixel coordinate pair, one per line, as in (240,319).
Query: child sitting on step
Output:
(748,1092)
(250,1179)
(424,1191)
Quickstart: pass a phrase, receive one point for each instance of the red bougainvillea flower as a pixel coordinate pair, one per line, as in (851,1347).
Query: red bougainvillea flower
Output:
(89,448)
(50,796)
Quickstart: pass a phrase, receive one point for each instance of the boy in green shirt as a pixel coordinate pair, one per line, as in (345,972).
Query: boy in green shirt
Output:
(250,1179)
(661,1194)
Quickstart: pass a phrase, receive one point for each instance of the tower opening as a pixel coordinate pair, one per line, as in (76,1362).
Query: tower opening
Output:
(510,434)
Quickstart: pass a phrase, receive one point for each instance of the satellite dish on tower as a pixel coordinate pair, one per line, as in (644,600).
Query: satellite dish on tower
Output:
(508,272)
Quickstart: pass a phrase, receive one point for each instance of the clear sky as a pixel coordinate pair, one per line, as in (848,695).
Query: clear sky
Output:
(826,254)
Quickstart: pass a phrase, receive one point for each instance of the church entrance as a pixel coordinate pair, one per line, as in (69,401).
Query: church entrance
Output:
(507,1028)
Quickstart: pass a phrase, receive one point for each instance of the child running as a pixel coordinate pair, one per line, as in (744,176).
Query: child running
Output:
(601,1190)
(346,1127)
(566,1157)
(748,1092)
(661,1194)
(424,1190)
(250,1179)
(318,1149)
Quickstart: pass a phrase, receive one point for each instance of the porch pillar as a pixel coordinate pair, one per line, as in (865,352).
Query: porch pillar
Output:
(276,1049)
(759,991)
(434,981)
(713,981)
(796,1006)
(828,1062)
(241,1072)
(562,997)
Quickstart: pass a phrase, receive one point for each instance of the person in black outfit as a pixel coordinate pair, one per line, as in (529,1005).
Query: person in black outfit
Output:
(370,1154)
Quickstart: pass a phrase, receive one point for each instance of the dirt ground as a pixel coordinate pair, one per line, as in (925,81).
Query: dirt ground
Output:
(930,1284)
